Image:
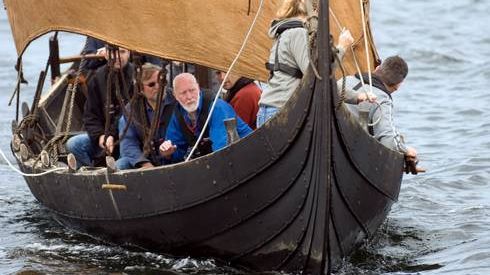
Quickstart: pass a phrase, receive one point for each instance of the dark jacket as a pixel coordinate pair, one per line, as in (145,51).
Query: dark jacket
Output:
(93,44)
(132,142)
(94,117)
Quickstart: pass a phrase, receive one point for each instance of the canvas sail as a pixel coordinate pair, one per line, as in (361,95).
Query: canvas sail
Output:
(209,33)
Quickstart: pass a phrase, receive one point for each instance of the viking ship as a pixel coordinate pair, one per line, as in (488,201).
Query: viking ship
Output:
(297,195)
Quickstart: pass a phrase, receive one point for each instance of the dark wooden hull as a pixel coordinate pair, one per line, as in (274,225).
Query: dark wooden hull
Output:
(298,194)
(268,202)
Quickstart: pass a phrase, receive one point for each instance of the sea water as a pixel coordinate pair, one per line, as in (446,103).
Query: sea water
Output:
(441,224)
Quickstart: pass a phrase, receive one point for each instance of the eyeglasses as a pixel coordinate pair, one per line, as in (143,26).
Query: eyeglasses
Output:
(151,84)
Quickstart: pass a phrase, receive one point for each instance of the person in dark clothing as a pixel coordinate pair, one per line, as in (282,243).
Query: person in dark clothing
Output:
(102,111)
(96,46)
(243,95)
(143,136)
(93,46)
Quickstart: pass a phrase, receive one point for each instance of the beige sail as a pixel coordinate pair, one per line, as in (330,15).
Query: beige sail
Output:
(347,14)
(205,32)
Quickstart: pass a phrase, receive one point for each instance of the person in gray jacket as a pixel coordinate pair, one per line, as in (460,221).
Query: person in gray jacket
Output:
(289,57)
(386,79)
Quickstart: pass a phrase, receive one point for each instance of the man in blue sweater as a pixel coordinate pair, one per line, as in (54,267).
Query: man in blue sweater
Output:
(189,117)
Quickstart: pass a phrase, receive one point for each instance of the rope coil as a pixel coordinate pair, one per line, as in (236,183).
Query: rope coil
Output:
(29,174)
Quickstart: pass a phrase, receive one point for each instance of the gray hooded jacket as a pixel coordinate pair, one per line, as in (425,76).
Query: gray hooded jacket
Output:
(384,130)
(294,52)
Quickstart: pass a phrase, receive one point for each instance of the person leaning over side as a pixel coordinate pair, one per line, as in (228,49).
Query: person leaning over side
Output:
(100,116)
(289,57)
(387,79)
(243,95)
(140,144)
(188,120)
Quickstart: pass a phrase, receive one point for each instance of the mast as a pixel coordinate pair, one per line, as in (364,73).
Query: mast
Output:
(324,90)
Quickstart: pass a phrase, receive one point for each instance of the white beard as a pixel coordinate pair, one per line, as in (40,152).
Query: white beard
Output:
(192,108)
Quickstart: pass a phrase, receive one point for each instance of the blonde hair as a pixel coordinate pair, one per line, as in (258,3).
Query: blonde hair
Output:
(148,69)
(291,8)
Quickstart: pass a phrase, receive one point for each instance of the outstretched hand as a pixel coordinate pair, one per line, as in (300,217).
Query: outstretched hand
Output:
(102,51)
(367,96)
(167,148)
(411,153)
(345,39)
(411,162)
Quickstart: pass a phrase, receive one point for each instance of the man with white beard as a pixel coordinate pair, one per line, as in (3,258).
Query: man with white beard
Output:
(190,115)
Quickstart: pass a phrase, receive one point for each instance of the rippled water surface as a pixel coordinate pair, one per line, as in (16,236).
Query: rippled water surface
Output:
(441,224)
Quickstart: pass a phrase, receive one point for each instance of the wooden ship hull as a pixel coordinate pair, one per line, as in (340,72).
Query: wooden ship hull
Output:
(298,194)
(307,187)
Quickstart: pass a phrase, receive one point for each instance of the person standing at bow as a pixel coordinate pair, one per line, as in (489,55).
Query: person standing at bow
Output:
(289,57)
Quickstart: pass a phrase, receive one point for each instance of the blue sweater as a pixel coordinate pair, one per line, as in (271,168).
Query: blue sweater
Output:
(132,143)
(217,129)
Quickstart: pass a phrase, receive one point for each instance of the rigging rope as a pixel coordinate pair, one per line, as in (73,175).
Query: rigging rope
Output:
(155,121)
(29,174)
(19,80)
(358,68)
(341,28)
(364,30)
(73,90)
(259,10)
(60,137)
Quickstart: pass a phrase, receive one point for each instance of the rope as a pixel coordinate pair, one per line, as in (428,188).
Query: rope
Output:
(312,25)
(113,55)
(354,57)
(73,90)
(149,138)
(342,93)
(60,138)
(133,101)
(226,76)
(19,80)
(121,99)
(335,18)
(358,68)
(28,174)
(364,30)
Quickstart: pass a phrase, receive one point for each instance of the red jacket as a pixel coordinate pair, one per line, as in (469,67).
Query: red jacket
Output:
(246,103)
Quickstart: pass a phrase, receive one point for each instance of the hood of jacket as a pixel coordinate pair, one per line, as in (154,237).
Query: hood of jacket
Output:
(377,82)
(279,26)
